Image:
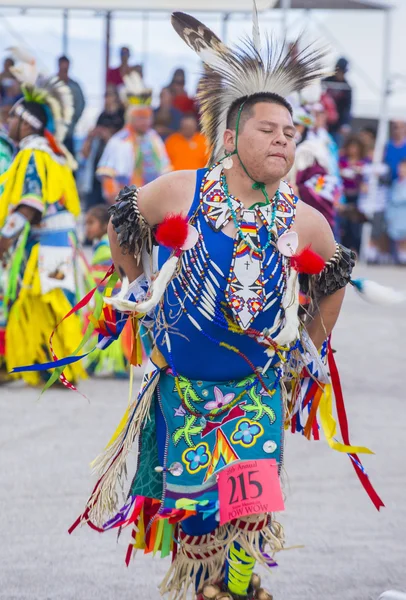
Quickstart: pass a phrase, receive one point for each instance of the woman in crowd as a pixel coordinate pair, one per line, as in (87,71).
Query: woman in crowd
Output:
(166,116)
(181,100)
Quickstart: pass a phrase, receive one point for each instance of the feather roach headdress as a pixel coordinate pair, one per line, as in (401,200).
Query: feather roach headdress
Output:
(51,94)
(248,69)
(134,94)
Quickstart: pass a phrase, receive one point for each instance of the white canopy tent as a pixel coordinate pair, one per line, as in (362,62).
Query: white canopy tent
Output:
(218,6)
(227,8)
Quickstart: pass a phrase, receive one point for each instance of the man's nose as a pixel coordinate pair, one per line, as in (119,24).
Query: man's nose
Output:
(280,139)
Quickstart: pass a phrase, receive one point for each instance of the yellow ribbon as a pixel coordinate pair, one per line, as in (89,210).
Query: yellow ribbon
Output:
(329,425)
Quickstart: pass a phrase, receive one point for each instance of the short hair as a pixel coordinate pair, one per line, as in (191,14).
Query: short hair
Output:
(100,212)
(354,140)
(63,58)
(249,103)
(370,130)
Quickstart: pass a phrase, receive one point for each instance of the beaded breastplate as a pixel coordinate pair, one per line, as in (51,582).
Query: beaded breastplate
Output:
(245,291)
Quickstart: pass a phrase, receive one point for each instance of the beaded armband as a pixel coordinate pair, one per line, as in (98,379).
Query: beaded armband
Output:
(335,275)
(133,232)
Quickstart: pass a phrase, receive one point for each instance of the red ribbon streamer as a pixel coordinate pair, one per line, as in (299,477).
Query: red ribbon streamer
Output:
(343,423)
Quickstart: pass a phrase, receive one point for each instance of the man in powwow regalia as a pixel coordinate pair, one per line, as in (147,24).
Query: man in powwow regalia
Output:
(242,284)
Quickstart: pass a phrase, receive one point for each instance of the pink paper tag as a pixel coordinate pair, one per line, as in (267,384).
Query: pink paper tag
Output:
(250,487)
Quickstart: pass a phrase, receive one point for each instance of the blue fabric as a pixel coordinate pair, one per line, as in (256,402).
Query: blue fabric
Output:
(194,354)
(32,181)
(393,155)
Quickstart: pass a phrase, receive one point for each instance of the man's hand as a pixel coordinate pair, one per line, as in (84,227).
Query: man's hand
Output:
(5,244)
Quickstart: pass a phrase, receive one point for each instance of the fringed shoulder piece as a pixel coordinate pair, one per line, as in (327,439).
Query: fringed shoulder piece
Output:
(335,275)
(134,233)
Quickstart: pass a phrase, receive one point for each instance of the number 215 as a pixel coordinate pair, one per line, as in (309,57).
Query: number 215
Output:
(251,482)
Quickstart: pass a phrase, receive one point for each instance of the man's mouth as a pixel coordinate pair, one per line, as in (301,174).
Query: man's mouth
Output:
(278,155)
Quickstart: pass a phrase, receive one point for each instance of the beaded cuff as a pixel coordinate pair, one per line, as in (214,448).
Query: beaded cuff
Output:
(335,275)
(133,232)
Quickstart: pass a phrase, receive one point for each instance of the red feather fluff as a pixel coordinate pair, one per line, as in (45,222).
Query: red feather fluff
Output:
(52,142)
(308,262)
(173,231)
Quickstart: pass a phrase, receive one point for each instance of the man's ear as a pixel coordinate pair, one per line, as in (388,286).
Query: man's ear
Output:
(229,140)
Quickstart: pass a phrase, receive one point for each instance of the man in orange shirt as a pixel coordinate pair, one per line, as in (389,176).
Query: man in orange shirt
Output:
(187,149)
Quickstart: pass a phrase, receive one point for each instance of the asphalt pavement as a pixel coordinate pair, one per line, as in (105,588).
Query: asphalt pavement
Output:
(350,551)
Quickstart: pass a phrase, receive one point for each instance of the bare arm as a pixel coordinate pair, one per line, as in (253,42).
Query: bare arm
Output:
(170,193)
(313,229)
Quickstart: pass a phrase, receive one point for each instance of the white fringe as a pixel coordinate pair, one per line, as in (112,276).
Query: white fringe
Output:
(104,503)
(290,303)
(184,570)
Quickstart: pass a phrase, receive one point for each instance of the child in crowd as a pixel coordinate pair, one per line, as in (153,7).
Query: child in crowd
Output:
(396,214)
(352,166)
(115,360)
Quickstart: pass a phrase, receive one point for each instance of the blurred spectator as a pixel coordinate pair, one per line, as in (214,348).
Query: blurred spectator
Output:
(330,109)
(396,213)
(115,76)
(166,117)
(109,122)
(340,91)
(180,99)
(367,135)
(396,147)
(352,165)
(136,154)
(78,100)
(187,149)
(9,86)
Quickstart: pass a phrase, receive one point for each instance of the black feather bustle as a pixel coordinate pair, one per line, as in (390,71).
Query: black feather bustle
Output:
(133,232)
(335,275)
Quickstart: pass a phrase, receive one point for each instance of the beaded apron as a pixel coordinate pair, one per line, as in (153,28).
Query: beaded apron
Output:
(202,426)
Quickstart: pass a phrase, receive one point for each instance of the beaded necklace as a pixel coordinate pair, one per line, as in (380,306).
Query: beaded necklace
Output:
(244,237)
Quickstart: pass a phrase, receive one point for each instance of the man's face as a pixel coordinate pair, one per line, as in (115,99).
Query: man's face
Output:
(266,143)
(141,120)
(8,63)
(124,55)
(320,118)
(367,139)
(188,127)
(340,74)
(13,123)
(63,68)
(398,130)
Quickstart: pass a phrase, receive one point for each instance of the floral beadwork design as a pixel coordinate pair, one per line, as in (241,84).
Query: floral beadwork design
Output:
(246,433)
(220,399)
(197,458)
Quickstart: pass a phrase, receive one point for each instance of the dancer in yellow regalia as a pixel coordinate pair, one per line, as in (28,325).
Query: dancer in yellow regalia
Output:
(38,210)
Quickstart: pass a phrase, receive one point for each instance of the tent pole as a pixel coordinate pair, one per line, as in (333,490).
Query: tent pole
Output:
(107,43)
(285,6)
(224,27)
(65,32)
(385,87)
(145,39)
(383,123)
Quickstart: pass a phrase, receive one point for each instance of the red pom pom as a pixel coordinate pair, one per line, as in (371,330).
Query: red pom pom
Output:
(172,232)
(308,262)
